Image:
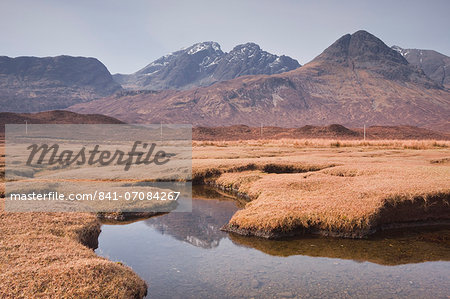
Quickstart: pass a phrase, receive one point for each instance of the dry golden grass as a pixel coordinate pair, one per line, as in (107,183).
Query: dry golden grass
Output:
(348,190)
(44,255)
(321,142)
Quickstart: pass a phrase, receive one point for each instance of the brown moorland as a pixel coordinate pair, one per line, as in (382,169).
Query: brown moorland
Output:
(338,188)
(344,188)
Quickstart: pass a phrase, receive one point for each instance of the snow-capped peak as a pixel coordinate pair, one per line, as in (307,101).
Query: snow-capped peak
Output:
(204,46)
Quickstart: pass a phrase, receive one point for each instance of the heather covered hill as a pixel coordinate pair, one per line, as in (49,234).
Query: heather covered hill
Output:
(357,80)
(32,84)
(55,117)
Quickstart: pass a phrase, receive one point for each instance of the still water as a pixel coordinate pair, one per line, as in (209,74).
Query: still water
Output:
(185,255)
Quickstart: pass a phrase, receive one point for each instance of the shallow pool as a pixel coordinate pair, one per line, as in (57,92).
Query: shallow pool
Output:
(185,255)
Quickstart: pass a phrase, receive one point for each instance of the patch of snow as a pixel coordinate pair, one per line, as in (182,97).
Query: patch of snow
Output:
(158,64)
(275,62)
(203,46)
(216,47)
(148,74)
(197,48)
(402,51)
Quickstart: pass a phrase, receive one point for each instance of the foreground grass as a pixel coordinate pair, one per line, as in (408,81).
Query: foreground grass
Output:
(343,188)
(351,190)
(45,255)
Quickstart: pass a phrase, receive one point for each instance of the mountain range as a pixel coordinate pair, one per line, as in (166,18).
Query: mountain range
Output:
(31,84)
(204,64)
(357,80)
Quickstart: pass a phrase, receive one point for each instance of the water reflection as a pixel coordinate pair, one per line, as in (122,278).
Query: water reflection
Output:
(392,248)
(185,255)
(211,210)
(200,228)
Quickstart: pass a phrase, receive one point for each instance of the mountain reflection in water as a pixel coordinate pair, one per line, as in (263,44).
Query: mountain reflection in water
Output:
(185,255)
(211,210)
(200,228)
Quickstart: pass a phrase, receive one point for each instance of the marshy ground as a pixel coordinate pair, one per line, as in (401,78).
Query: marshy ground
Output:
(338,188)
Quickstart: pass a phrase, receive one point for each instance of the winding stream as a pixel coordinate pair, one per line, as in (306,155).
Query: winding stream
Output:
(185,255)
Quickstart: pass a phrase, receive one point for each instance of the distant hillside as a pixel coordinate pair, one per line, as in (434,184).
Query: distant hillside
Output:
(203,64)
(241,132)
(32,84)
(357,80)
(434,64)
(55,117)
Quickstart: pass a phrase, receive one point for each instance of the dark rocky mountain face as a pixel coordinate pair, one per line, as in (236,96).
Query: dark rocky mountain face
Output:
(344,85)
(434,64)
(30,84)
(186,68)
(204,64)
(249,59)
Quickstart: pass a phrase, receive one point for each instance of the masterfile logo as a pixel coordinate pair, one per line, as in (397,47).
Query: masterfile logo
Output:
(51,155)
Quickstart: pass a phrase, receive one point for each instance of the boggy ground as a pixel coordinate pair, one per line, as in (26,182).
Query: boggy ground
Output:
(336,188)
(342,188)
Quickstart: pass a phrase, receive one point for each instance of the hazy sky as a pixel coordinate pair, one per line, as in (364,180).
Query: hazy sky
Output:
(127,35)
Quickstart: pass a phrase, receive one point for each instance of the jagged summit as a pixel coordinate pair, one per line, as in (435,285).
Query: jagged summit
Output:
(197,52)
(250,59)
(247,46)
(203,64)
(204,46)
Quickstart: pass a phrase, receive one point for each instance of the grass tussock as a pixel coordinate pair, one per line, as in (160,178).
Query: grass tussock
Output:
(46,255)
(347,190)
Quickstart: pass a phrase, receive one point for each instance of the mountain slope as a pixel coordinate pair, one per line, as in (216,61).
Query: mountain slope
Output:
(30,84)
(434,64)
(203,64)
(357,80)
